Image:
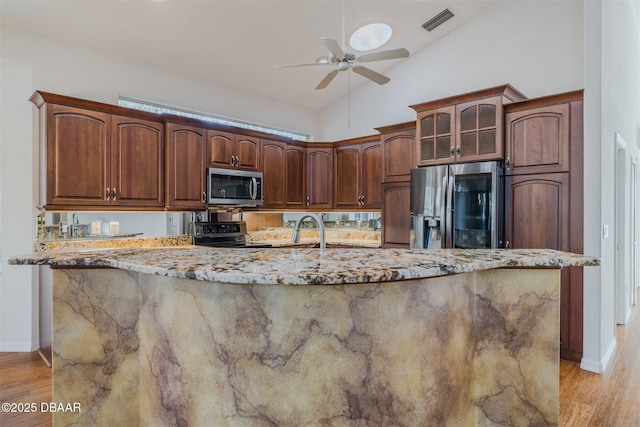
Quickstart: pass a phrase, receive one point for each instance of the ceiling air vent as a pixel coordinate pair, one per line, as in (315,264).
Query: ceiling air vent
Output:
(437,20)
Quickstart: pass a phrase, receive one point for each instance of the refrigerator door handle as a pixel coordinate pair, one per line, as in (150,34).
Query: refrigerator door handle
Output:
(443,214)
(449,217)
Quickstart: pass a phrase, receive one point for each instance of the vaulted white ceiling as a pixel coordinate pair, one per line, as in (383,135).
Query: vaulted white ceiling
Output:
(238,43)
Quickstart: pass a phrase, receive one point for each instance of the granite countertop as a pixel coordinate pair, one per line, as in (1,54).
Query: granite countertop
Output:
(293,266)
(344,237)
(114,242)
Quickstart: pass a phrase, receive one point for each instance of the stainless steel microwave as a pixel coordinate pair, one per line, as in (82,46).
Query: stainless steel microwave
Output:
(234,187)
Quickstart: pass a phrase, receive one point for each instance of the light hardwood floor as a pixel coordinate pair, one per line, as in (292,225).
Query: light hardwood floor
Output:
(586,399)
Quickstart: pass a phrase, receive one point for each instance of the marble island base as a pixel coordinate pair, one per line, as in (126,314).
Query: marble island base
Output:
(472,349)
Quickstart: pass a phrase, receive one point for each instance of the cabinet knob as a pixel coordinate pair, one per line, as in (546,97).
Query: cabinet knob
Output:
(308,200)
(114,194)
(108,194)
(507,163)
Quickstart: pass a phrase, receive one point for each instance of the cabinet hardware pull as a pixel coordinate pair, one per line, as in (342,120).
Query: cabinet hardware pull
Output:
(507,163)
(506,245)
(458,151)
(308,200)
(204,197)
(452,151)
(108,194)
(114,194)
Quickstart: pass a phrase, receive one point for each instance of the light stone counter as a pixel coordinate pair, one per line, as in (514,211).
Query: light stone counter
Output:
(356,337)
(334,236)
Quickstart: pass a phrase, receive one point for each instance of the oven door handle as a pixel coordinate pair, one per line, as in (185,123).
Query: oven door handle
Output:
(253,188)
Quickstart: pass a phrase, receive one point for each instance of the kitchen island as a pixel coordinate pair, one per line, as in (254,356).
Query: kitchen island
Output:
(290,337)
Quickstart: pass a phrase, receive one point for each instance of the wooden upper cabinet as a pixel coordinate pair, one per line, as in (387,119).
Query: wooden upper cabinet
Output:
(78,156)
(398,151)
(220,148)
(463,128)
(358,175)
(372,175)
(229,150)
(479,130)
(186,166)
(436,136)
(347,176)
(538,139)
(319,178)
(273,169)
(137,167)
(296,177)
(247,152)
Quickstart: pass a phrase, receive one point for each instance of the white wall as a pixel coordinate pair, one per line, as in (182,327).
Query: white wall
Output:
(612,75)
(535,46)
(32,62)
(18,285)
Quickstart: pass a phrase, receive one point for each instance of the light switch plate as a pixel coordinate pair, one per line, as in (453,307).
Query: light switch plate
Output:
(605,231)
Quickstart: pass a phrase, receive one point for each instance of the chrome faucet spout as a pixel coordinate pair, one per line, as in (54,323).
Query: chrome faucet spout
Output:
(295,237)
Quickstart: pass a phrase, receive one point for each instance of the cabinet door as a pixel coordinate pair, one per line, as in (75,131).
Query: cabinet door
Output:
(436,137)
(247,152)
(137,167)
(398,153)
(273,169)
(319,178)
(295,177)
(220,148)
(78,151)
(186,167)
(479,130)
(537,140)
(371,175)
(537,211)
(348,173)
(395,215)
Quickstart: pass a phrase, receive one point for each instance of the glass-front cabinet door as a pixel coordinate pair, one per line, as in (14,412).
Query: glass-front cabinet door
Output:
(436,136)
(479,134)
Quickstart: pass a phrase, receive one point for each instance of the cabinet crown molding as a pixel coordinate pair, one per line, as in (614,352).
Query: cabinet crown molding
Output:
(506,91)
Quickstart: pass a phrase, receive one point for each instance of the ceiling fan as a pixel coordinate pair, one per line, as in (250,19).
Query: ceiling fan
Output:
(345,58)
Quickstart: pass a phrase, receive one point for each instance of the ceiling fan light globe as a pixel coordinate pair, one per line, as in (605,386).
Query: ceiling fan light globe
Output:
(370,37)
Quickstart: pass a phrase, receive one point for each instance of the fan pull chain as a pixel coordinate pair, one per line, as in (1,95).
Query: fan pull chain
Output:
(349,98)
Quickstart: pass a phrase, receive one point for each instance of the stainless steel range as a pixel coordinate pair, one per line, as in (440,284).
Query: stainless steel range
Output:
(223,234)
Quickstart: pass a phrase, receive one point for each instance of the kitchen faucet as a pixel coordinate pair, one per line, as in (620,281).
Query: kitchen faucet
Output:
(295,238)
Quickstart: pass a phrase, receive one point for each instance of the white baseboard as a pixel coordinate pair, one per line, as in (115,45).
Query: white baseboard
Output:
(600,366)
(18,347)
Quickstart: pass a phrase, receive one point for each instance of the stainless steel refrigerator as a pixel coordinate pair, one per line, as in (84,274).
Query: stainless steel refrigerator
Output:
(457,206)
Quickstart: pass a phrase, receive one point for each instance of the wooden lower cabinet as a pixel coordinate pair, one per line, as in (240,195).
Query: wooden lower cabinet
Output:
(540,215)
(395,215)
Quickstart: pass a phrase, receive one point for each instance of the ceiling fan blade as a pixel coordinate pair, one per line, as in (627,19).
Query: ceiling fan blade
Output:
(333,46)
(302,64)
(370,74)
(385,54)
(327,79)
